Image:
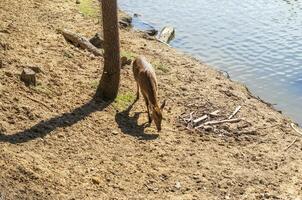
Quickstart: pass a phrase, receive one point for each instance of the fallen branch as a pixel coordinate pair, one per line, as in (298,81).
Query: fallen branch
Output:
(191,117)
(196,121)
(204,117)
(291,144)
(235,112)
(81,42)
(296,129)
(222,121)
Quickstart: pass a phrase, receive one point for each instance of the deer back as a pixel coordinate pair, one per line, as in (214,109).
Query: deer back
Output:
(144,75)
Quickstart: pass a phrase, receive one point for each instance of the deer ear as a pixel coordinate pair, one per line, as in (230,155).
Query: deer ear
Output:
(163,105)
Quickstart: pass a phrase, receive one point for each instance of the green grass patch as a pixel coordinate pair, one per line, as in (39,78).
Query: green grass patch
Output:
(129,55)
(94,84)
(160,66)
(123,100)
(89,8)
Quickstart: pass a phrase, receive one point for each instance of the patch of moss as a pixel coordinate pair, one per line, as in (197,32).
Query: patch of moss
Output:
(89,8)
(123,100)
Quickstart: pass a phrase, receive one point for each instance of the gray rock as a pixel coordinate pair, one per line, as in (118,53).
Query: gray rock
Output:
(136,15)
(152,32)
(166,34)
(177,185)
(125,22)
(9,74)
(127,19)
(28,76)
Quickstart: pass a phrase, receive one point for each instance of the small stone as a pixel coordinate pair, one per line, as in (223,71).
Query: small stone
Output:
(177,185)
(78,1)
(125,22)
(96,180)
(28,76)
(152,32)
(183,88)
(114,132)
(127,19)
(125,61)
(9,74)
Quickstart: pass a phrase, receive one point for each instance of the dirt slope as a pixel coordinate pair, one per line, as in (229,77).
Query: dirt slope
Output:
(57,143)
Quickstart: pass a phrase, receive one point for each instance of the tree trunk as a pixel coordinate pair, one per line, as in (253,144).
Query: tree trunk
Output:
(109,83)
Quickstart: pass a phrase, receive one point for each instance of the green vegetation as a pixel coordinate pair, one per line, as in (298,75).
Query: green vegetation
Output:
(123,100)
(94,84)
(160,66)
(89,8)
(129,55)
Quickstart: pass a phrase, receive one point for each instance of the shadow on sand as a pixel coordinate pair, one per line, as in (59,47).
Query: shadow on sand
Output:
(129,125)
(43,128)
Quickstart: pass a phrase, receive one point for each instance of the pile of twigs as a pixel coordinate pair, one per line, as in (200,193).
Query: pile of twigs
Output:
(206,121)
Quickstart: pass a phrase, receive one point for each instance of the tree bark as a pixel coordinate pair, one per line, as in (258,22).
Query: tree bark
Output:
(109,83)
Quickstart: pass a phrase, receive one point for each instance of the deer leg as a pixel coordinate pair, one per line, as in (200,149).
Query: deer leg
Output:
(137,92)
(147,104)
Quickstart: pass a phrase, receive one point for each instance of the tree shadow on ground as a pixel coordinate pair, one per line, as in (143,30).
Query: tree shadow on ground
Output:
(43,128)
(129,125)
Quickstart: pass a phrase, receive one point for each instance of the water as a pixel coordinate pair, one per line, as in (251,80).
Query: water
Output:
(258,42)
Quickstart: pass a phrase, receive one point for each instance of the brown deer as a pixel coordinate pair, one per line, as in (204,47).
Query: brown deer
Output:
(146,81)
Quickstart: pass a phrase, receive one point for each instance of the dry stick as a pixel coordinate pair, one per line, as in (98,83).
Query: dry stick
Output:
(204,117)
(187,120)
(214,122)
(266,127)
(223,121)
(39,102)
(291,144)
(235,112)
(196,121)
(191,117)
(293,126)
(215,113)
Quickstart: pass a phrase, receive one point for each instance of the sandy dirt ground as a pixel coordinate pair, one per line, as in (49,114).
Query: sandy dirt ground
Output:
(56,142)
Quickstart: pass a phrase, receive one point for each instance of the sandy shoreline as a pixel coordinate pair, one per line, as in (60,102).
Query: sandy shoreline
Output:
(64,146)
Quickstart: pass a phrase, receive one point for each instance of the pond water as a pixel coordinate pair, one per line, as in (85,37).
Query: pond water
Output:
(257,42)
